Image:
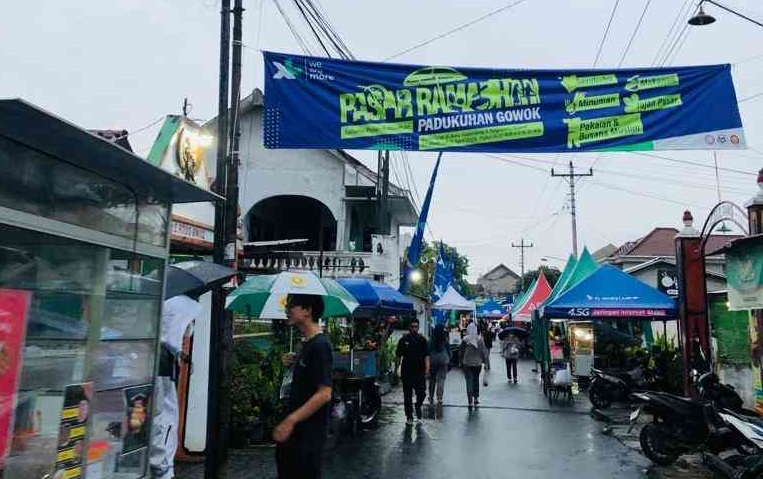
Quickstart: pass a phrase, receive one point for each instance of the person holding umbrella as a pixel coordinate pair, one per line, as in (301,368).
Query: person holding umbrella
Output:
(185,282)
(510,352)
(301,436)
(302,298)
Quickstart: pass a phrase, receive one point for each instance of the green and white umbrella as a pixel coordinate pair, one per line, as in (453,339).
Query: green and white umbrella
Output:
(264,296)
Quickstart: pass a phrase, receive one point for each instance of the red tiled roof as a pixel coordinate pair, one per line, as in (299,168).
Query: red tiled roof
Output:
(661,242)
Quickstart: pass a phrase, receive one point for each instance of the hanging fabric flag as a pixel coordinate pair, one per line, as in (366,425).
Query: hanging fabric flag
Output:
(414,251)
(443,277)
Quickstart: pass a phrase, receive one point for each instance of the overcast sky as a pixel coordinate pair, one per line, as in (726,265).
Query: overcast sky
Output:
(127,64)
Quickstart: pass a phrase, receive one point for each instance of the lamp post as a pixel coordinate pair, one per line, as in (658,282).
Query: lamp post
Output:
(702,18)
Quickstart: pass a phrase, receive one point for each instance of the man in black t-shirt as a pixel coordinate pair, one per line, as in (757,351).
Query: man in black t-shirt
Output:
(302,435)
(413,351)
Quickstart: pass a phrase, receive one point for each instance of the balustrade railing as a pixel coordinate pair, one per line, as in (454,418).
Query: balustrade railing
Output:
(329,263)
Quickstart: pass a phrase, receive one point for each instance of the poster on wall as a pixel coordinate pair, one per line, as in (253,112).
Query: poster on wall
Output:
(667,281)
(138,417)
(14,305)
(72,432)
(327,103)
(744,273)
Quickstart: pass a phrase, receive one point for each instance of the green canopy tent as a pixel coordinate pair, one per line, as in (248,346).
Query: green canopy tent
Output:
(539,338)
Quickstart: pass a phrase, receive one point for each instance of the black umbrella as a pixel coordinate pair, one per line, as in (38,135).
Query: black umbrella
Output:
(195,277)
(516,330)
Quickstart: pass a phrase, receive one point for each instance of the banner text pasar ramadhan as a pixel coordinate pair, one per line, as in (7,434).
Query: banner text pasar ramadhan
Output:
(376,103)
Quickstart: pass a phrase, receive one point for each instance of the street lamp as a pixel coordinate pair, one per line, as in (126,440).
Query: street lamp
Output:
(702,18)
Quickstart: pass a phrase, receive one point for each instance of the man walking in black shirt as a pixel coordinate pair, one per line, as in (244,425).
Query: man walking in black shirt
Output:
(302,435)
(413,351)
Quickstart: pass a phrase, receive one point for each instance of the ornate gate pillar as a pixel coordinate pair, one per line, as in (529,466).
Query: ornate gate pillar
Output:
(755,223)
(692,297)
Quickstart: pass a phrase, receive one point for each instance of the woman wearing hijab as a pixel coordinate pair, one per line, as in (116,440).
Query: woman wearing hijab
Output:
(439,358)
(473,354)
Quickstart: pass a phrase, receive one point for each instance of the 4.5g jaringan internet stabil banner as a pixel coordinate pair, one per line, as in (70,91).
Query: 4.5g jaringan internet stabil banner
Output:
(325,103)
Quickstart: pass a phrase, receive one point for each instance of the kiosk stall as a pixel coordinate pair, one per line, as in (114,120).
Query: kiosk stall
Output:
(83,249)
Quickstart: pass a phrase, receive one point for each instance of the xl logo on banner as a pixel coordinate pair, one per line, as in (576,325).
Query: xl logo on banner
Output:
(286,70)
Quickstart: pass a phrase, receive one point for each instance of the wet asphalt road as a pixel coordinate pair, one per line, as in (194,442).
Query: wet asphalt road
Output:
(513,433)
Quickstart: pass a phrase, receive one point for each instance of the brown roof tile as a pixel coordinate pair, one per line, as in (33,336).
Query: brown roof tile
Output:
(661,242)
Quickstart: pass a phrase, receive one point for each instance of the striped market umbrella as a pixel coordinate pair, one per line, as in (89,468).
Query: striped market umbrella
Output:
(264,296)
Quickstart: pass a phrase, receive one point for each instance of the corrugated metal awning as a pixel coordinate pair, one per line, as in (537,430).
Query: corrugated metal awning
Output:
(37,129)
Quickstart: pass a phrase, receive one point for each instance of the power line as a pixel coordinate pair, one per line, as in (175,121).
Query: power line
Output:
(751,97)
(606,32)
(664,43)
(633,35)
(456,29)
(292,29)
(693,163)
(643,194)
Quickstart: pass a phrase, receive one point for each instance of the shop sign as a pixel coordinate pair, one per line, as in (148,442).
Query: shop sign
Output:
(325,103)
(383,255)
(667,281)
(72,432)
(14,306)
(744,276)
(183,231)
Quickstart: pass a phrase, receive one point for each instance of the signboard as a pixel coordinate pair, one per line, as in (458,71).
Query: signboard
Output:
(338,104)
(667,281)
(72,432)
(14,305)
(744,273)
(615,313)
(384,255)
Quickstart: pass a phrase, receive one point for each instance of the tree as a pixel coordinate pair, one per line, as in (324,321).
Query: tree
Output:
(427,264)
(552,275)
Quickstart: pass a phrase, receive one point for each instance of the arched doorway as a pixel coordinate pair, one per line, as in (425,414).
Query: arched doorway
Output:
(293,217)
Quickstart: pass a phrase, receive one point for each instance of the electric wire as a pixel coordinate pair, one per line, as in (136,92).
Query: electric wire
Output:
(635,32)
(292,29)
(664,43)
(680,47)
(456,29)
(312,28)
(606,33)
(751,97)
(139,130)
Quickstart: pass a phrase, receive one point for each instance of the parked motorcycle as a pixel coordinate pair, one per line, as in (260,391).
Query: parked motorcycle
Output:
(608,386)
(749,433)
(681,425)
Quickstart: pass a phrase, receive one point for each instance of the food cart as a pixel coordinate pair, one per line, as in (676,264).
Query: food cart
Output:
(83,251)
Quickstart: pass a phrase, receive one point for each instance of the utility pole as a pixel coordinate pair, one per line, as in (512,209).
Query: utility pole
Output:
(382,189)
(571,177)
(218,402)
(522,247)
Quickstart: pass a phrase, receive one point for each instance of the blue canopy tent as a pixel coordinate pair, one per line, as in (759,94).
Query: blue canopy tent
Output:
(609,293)
(376,299)
(491,309)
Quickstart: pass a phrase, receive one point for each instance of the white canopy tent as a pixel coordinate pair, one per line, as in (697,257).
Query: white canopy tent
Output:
(452,301)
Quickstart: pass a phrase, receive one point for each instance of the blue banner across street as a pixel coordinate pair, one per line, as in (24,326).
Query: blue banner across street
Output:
(338,104)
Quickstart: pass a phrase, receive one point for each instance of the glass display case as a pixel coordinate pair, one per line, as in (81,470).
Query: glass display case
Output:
(83,250)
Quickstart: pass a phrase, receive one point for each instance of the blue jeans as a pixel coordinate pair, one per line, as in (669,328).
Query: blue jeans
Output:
(472,376)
